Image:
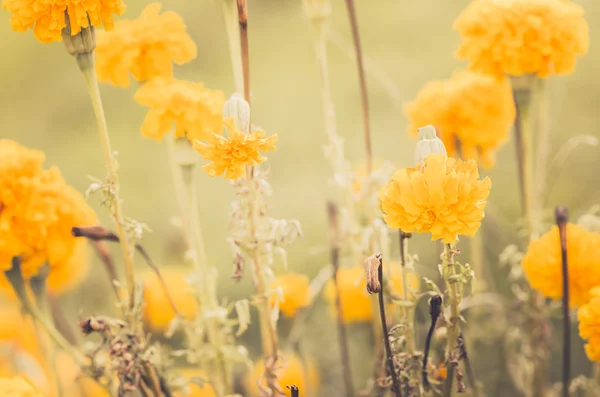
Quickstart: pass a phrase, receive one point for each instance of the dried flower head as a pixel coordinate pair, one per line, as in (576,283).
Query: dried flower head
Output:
(193,108)
(295,290)
(443,197)
(230,155)
(158,312)
(589,324)
(290,371)
(17,387)
(48,18)
(473,110)
(542,264)
(37,212)
(145,47)
(516,37)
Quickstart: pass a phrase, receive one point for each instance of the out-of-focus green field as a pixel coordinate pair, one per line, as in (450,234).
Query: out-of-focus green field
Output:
(44,104)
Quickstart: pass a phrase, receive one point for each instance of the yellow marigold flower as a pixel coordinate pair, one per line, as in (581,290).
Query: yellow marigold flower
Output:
(145,47)
(355,301)
(17,387)
(589,324)
(47,18)
(230,155)
(296,293)
(193,108)
(292,372)
(444,197)
(158,312)
(37,212)
(542,264)
(70,271)
(476,109)
(517,37)
(194,390)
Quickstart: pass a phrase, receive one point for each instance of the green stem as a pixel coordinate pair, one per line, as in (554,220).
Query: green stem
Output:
(86,65)
(453,325)
(230,13)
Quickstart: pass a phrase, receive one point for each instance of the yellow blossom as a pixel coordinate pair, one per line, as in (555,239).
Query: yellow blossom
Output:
(146,47)
(37,212)
(195,110)
(589,324)
(443,197)
(158,312)
(230,155)
(295,290)
(194,390)
(292,371)
(516,37)
(471,109)
(17,387)
(354,299)
(47,18)
(18,331)
(542,264)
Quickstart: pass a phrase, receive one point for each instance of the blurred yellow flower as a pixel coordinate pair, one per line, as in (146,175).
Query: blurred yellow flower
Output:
(292,372)
(354,299)
(47,18)
(443,197)
(476,109)
(230,155)
(146,47)
(71,271)
(542,264)
(516,37)
(195,110)
(295,290)
(18,330)
(395,277)
(194,390)
(17,387)
(589,324)
(37,212)
(158,312)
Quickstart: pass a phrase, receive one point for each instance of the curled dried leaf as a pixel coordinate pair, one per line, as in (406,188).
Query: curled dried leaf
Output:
(372,265)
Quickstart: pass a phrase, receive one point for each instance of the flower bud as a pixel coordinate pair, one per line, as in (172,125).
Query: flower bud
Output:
(428,143)
(317,9)
(239,109)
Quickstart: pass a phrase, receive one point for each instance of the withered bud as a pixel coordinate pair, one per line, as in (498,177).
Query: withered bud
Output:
(81,43)
(562,215)
(90,325)
(317,10)
(435,307)
(372,265)
(239,265)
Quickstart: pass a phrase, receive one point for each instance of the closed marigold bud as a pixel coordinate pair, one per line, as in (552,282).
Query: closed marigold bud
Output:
(444,197)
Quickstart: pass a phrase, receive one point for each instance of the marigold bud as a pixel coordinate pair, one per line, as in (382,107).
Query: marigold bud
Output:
(237,108)
(428,143)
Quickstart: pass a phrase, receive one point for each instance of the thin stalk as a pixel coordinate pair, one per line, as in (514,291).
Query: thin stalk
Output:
(180,190)
(477,261)
(396,388)
(335,262)
(542,143)
(294,391)
(410,341)
(363,85)
(86,65)
(63,325)
(562,217)
(435,309)
(242,7)
(469,368)
(453,326)
(230,13)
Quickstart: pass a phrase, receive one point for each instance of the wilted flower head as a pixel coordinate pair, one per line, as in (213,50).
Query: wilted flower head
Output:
(444,197)
(17,387)
(145,47)
(230,155)
(472,110)
(47,18)
(589,324)
(295,290)
(516,37)
(542,264)
(291,371)
(158,312)
(195,110)
(37,212)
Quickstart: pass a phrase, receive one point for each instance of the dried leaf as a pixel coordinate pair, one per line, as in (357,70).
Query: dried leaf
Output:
(242,309)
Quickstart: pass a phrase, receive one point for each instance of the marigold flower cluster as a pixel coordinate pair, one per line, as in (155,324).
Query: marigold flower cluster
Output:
(589,324)
(195,110)
(542,264)
(230,155)
(47,18)
(145,47)
(37,212)
(517,37)
(295,289)
(443,197)
(472,113)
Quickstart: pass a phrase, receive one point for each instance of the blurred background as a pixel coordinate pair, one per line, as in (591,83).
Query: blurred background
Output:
(45,105)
